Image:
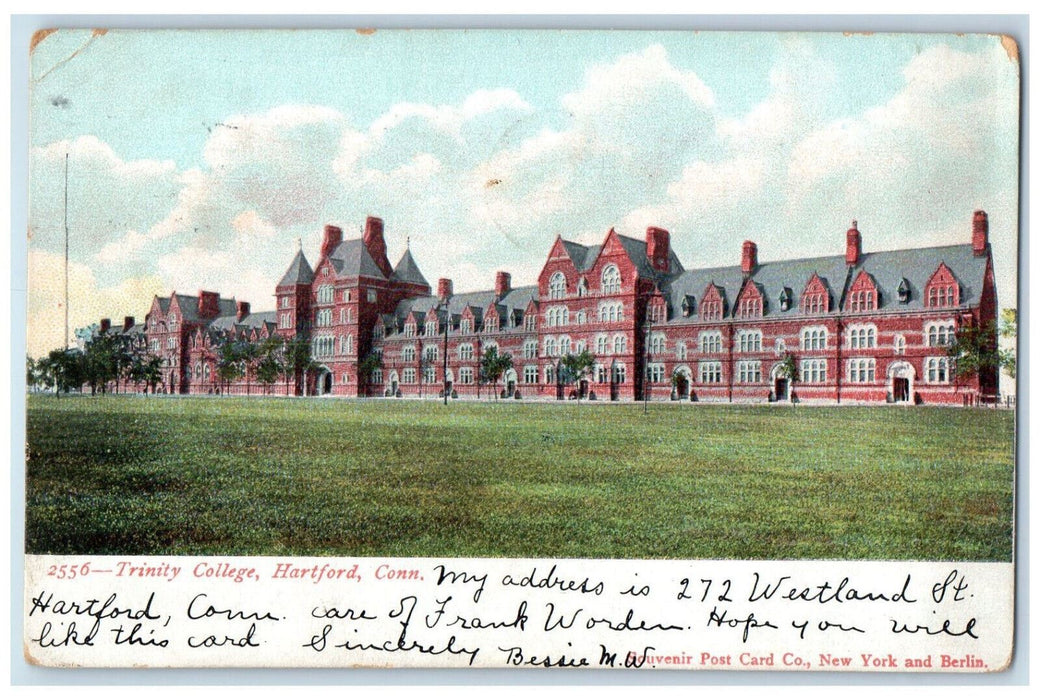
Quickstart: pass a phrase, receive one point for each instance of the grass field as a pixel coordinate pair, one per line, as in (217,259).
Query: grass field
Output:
(322,477)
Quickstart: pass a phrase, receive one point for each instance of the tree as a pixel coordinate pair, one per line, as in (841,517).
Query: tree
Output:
(64,370)
(367,367)
(270,361)
(1009,330)
(574,368)
(103,361)
(298,361)
(32,373)
(789,367)
(493,366)
(973,351)
(233,360)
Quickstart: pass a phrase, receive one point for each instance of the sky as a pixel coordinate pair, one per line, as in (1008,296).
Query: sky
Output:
(197,159)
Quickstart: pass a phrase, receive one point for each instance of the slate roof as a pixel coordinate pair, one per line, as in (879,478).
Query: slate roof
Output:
(516,300)
(406,270)
(299,272)
(888,268)
(190,306)
(252,320)
(583,257)
(351,259)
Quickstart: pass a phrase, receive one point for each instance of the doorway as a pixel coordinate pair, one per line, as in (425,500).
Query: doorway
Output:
(900,389)
(780,389)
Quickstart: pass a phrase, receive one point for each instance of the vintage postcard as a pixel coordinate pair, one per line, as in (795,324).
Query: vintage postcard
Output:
(485,348)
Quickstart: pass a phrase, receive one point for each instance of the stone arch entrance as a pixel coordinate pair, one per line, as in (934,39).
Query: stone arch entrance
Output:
(323,386)
(781,383)
(682,382)
(510,381)
(394,383)
(449,382)
(901,376)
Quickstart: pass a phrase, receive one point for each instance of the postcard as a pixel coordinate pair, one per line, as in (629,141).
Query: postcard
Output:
(522,348)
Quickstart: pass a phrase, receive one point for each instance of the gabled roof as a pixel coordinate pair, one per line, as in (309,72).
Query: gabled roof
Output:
(299,272)
(584,257)
(189,306)
(887,268)
(253,320)
(517,299)
(406,270)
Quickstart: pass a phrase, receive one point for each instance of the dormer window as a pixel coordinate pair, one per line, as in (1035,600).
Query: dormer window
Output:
(904,291)
(611,280)
(557,286)
(688,305)
(785,299)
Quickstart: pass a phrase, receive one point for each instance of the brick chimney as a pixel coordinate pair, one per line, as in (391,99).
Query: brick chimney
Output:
(503,282)
(376,244)
(105,325)
(657,241)
(241,310)
(128,323)
(979,233)
(853,245)
(333,237)
(209,304)
(443,288)
(749,257)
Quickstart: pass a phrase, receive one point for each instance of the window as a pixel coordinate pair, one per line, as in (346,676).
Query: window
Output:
(680,351)
(749,372)
(491,323)
(530,349)
(940,333)
(285,302)
(466,351)
(619,374)
(285,321)
(325,293)
(937,370)
(710,342)
(530,322)
(899,344)
(862,337)
(610,280)
(710,372)
(583,287)
(378,331)
(655,372)
(658,343)
(814,303)
(814,371)
(530,374)
(656,313)
(322,346)
(466,326)
(171,342)
(465,375)
(408,353)
(750,306)
(779,347)
(602,345)
(620,344)
(863,300)
(431,328)
(377,376)
(346,295)
(431,353)
(557,286)
(711,310)
(580,317)
(749,341)
(430,375)
(409,330)
(408,375)
(550,347)
(323,318)
(814,338)
(556,316)
(372,296)
(601,374)
(565,345)
(939,296)
(550,374)
(610,312)
(785,299)
(861,370)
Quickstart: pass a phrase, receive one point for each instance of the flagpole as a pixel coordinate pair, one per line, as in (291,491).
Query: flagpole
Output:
(66,250)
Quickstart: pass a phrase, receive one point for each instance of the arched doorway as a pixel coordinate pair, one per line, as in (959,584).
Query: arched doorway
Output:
(781,383)
(682,382)
(394,383)
(449,382)
(901,377)
(510,381)
(324,384)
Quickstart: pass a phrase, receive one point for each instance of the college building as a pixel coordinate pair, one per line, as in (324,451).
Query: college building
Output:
(863,327)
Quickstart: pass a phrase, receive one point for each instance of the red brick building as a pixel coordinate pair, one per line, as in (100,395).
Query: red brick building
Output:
(859,327)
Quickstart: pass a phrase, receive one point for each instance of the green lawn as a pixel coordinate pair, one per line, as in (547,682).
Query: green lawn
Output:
(148,475)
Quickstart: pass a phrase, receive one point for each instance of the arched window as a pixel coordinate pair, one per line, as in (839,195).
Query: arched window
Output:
(899,344)
(557,286)
(620,344)
(610,280)
(602,345)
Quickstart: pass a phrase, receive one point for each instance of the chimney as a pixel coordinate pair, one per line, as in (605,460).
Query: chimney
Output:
(209,304)
(657,240)
(444,288)
(502,284)
(241,310)
(128,323)
(105,325)
(749,257)
(853,245)
(333,237)
(979,233)
(376,244)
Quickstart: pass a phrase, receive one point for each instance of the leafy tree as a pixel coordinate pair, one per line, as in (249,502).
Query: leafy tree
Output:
(974,351)
(298,361)
(1009,330)
(789,367)
(575,367)
(64,370)
(270,362)
(367,367)
(493,366)
(233,360)
(32,373)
